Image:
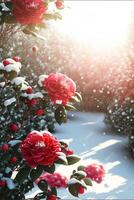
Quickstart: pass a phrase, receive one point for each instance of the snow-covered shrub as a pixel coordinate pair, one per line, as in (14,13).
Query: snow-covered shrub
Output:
(37,106)
(71,58)
(28,151)
(120,114)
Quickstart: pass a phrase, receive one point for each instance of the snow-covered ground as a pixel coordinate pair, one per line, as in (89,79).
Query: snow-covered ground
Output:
(90,139)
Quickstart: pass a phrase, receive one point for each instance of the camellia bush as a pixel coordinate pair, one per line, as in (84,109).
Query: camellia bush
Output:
(28,151)
(29,16)
(120,114)
(25,107)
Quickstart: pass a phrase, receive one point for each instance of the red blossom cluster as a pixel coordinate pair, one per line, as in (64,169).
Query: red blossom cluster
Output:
(31,11)
(28,12)
(40,148)
(59,88)
(54,180)
(96,172)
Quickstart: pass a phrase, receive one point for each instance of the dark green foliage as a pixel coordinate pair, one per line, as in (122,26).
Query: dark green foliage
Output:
(120,116)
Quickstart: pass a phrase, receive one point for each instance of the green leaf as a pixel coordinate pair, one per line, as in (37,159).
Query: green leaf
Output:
(50,128)
(36,173)
(22,174)
(1,7)
(63,143)
(73,189)
(5,157)
(1,22)
(80,175)
(31,32)
(50,169)
(11,75)
(81,168)
(9,5)
(74,99)
(78,95)
(54,16)
(61,115)
(8,18)
(1,71)
(74,181)
(88,181)
(73,159)
(62,160)
(43,186)
(41,195)
(70,107)
(26,186)
(54,191)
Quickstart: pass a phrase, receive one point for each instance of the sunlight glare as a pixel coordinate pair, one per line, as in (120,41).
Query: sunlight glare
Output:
(102,24)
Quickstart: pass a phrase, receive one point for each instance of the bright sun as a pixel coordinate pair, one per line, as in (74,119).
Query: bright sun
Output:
(101,24)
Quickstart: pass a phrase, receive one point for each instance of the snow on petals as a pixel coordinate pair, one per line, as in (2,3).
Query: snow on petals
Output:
(41,79)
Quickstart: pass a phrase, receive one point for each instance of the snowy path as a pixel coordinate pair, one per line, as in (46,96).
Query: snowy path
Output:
(89,139)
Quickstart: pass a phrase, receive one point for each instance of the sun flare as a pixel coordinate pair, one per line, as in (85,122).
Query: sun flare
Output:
(101,24)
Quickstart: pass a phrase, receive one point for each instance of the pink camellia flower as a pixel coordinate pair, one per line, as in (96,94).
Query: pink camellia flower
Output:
(54,180)
(95,172)
(28,11)
(59,87)
(40,148)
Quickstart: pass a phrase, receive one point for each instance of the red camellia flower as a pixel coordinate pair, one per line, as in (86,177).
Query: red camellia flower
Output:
(28,11)
(13,160)
(40,148)
(6,62)
(68,152)
(39,112)
(52,197)
(81,190)
(29,90)
(4,147)
(59,4)
(59,87)
(2,183)
(34,49)
(96,172)
(31,102)
(13,127)
(16,58)
(54,180)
